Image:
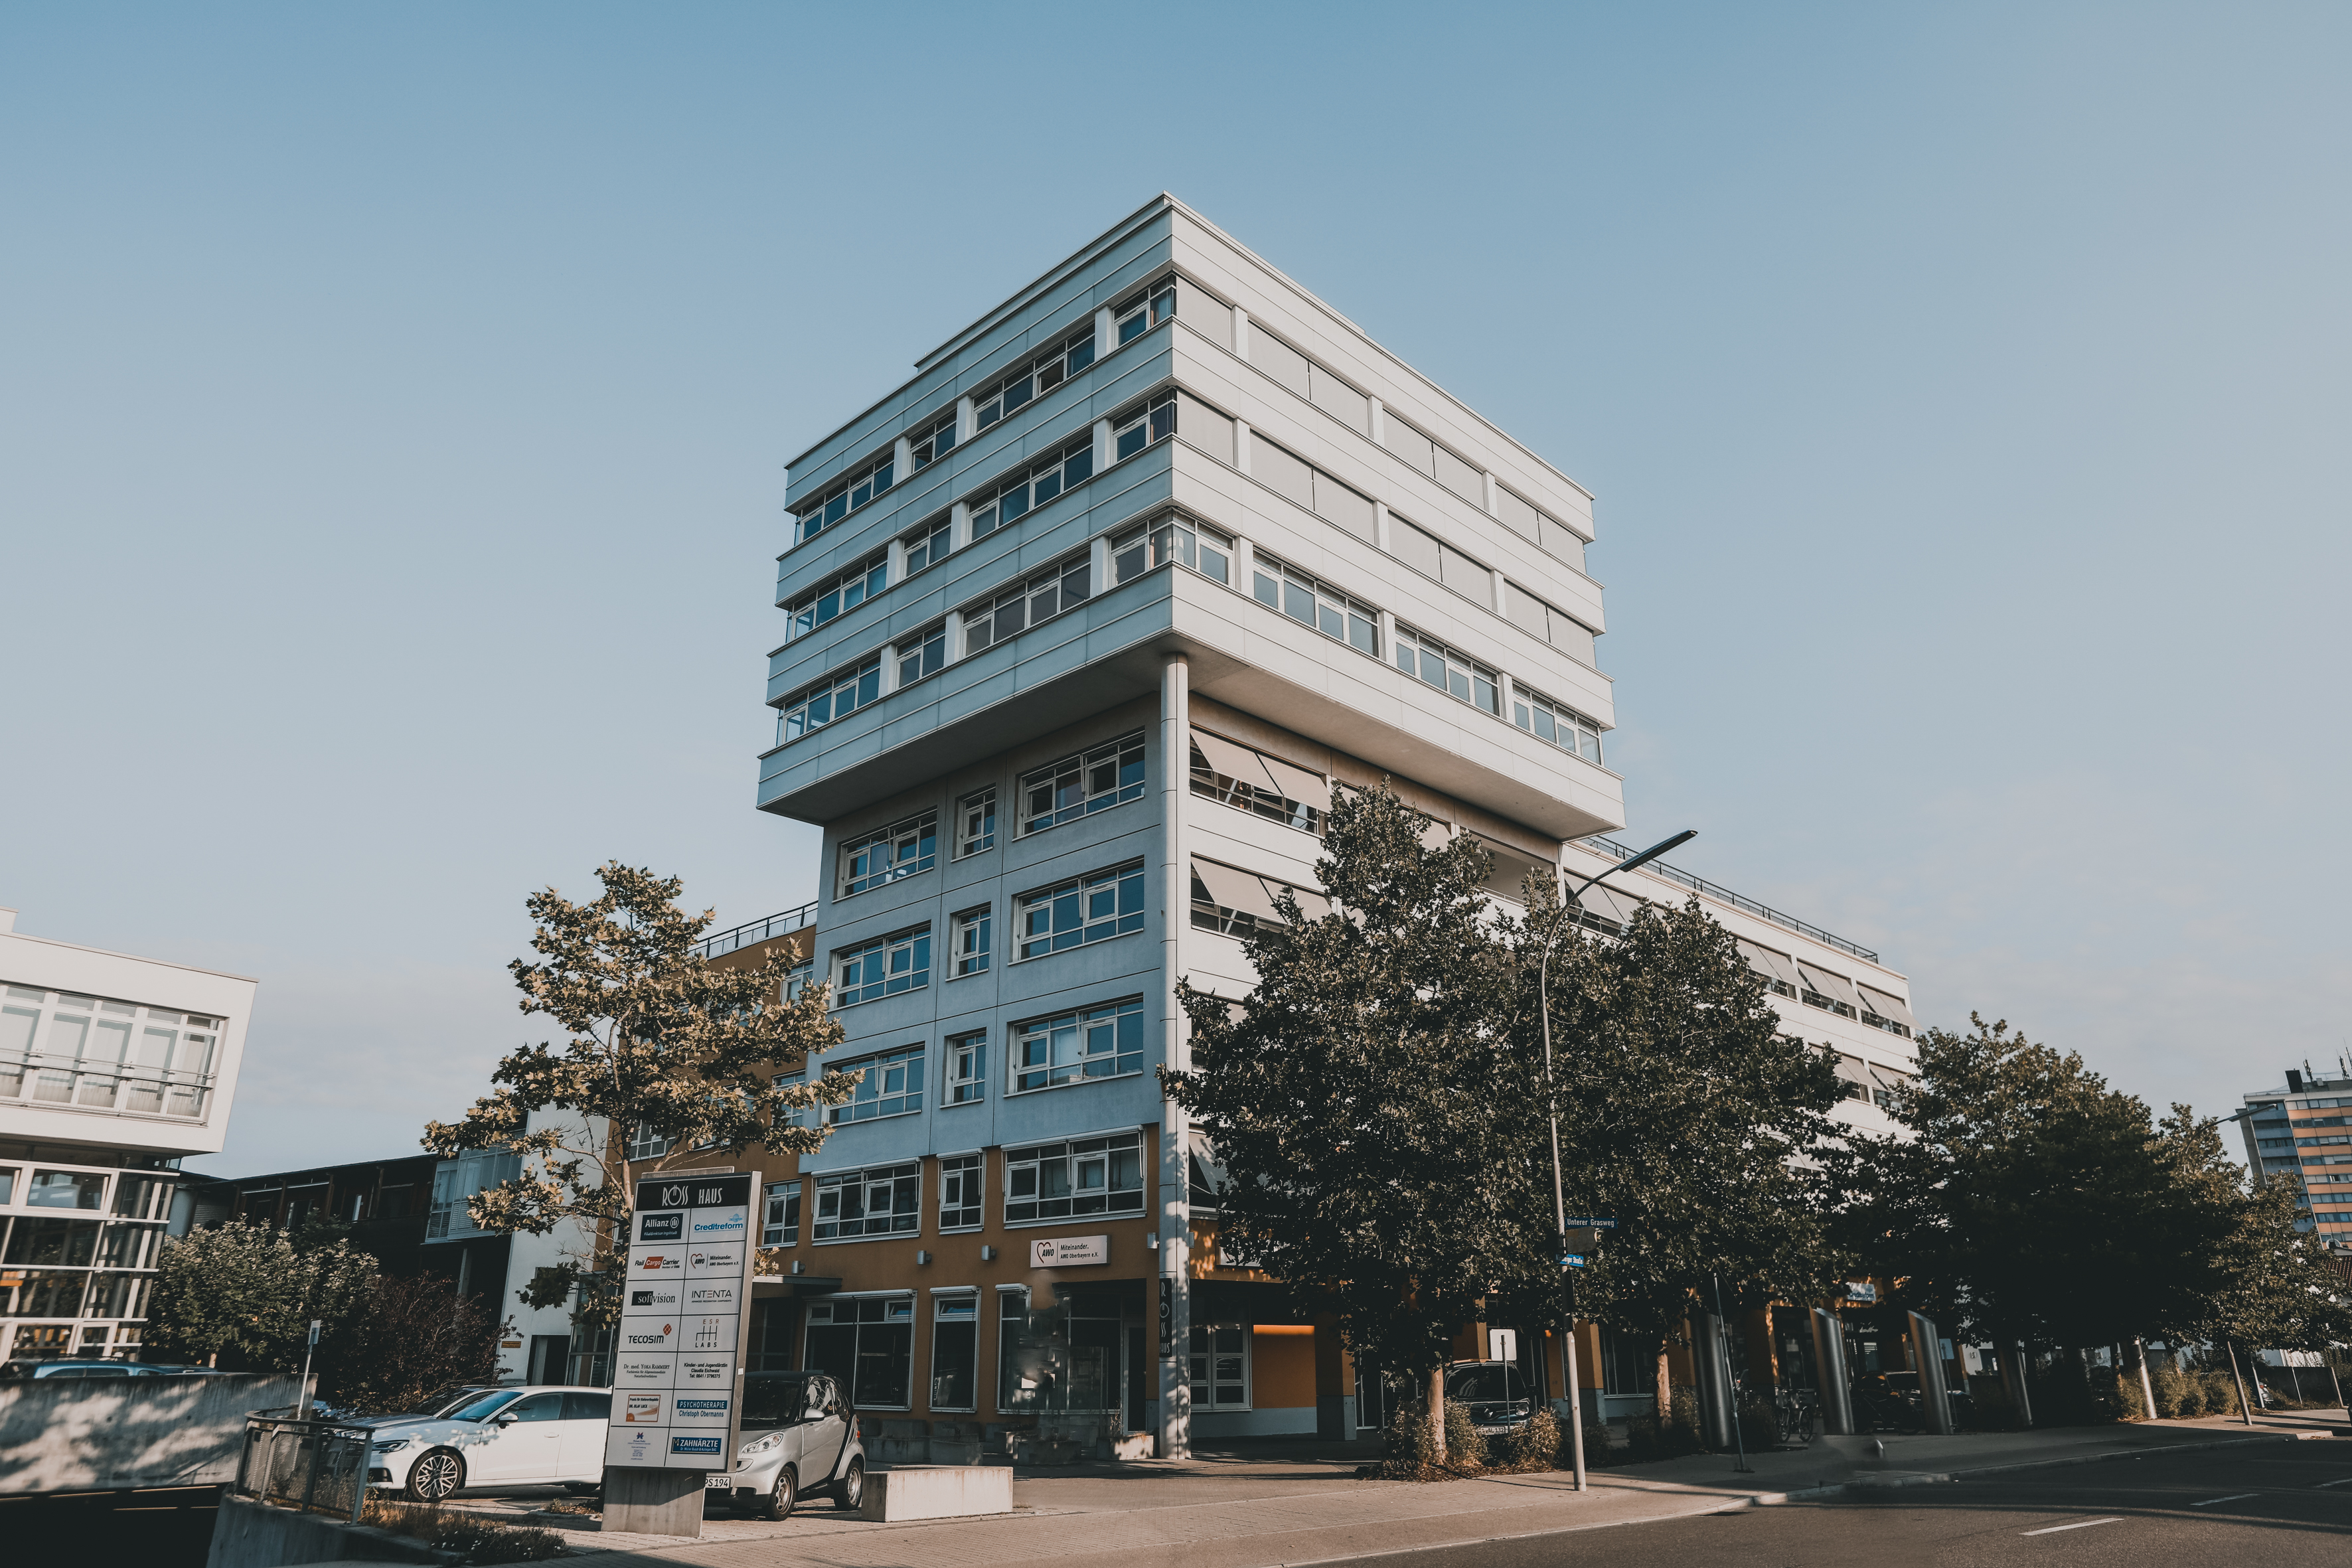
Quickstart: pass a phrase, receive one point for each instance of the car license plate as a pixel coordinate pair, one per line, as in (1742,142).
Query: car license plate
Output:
(717,1481)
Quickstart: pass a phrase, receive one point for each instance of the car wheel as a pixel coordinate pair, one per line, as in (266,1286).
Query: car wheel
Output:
(783,1497)
(584,1488)
(850,1491)
(436,1473)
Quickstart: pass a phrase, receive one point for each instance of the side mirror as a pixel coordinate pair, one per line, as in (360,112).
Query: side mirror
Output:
(509,1420)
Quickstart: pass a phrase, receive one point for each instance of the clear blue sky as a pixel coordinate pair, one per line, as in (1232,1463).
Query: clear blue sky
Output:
(393,401)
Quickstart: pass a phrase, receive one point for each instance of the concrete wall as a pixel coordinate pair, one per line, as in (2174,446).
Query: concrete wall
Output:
(250,1535)
(62,1433)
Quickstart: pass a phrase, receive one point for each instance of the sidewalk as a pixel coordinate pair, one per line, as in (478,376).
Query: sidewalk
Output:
(1253,1513)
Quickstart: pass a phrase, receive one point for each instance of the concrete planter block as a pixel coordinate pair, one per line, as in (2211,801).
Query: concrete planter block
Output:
(937,1491)
(1131,1445)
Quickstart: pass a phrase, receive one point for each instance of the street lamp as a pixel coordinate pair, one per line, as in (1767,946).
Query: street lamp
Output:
(1559,1198)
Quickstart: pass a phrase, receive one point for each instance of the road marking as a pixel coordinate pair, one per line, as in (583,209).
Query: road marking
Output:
(2078,1524)
(2346,1480)
(2233,1497)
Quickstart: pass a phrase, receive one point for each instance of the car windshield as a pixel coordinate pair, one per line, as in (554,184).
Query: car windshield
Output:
(773,1399)
(488,1405)
(442,1401)
(1486,1383)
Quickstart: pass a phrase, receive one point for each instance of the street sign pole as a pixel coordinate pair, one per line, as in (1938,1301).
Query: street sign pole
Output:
(304,1412)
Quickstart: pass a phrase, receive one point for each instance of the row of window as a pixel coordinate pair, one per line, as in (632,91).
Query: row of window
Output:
(1011,392)
(1070,1179)
(1080,1046)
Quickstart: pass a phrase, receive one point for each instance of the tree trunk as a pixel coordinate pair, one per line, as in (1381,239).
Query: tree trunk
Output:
(1666,1388)
(1435,1400)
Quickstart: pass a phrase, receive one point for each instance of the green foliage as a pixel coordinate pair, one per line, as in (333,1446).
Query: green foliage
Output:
(410,1336)
(1373,1123)
(1685,1114)
(1538,1445)
(2027,1200)
(248,1294)
(2176,1396)
(659,1039)
(1465,1448)
(1600,1449)
(1410,1446)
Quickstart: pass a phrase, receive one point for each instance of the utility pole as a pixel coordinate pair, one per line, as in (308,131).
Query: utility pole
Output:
(303,1413)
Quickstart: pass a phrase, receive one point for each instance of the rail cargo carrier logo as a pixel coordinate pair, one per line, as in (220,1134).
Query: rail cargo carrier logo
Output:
(661,1263)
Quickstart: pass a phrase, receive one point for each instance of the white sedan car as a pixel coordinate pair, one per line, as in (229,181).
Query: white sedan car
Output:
(501,1436)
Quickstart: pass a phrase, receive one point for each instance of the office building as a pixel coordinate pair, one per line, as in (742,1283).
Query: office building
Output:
(2302,1132)
(112,1070)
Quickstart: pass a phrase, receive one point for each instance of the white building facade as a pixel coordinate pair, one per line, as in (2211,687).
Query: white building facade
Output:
(113,1069)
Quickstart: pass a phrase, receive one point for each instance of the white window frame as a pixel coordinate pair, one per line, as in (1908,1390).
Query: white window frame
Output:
(1176,538)
(1531,711)
(1146,311)
(866,1181)
(1210,1403)
(923,444)
(1085,764)
(972,1189)
(1046,594)
(1074,1155)
(861,684)
(969,1300)
(848,589)
(1144,428)
(854,492)
(916,943)
(1083,893)
(780,1225)
(909,834)
(922,655)
(976,823)
(934,541)
(1281,587)
(904,1063)
(1477,678)
(964,1068)
(971,949)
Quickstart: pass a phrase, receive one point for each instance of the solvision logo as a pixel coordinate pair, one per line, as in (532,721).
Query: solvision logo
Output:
(660,1339)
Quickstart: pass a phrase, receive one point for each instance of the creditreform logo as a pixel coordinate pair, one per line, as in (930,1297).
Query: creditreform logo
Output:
(648,1338)
(729,1224)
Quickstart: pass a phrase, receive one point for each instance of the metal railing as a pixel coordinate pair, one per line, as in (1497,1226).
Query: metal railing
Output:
(1617,851)
(744,935)
(315,1466)
(37,1077)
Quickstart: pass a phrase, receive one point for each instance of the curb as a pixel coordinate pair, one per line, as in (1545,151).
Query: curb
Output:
(1942,1478)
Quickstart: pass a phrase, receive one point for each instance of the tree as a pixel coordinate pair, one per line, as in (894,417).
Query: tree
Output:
(410,1338)
(660,1042)
(1352,1095)
(1686,1116)
(2027,1201)
(246,1293)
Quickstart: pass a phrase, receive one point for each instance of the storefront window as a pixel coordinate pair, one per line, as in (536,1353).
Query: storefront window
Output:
(869,1344)
(1221,1366)
(955,1352)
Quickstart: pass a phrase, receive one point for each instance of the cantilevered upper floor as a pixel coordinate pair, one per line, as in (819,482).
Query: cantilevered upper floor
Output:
(1166,445)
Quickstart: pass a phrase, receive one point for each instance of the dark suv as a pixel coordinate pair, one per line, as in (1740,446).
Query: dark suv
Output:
(1497,1396)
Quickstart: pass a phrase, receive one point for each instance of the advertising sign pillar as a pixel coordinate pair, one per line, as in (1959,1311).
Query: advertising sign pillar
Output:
(678,1365)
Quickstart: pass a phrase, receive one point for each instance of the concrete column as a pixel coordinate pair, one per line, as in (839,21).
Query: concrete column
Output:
(1829,1372)
(1175,1181)
(959,526)
(955,636)
(1935,1398)
(1241,332)
(1387,636)
(967,420)
(889,669)
(1106,332)
(1379,426)
(1486,494)
(1103,452)
(1098,581)
(1242,445)
(1245,560)
(1380,524)
(898,568)
(1502,679)
(902,460)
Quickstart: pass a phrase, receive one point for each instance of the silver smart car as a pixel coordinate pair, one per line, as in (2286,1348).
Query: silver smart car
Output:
(800,1440)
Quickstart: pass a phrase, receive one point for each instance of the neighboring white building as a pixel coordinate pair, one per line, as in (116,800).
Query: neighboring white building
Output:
(538,1346)
(112,1070)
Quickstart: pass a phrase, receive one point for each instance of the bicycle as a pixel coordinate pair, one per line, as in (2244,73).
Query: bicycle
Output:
(1792,1416)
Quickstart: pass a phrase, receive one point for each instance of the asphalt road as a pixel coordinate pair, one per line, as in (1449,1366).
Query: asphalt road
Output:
(2280,1507)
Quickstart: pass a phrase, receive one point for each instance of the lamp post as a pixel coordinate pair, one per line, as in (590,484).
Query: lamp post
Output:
(1558,1194)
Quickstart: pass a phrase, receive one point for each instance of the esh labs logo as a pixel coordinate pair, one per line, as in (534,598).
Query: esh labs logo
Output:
(646,1338)
(661,1228)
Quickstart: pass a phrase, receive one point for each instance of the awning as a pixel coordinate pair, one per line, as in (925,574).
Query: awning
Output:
(1832,986)
(1888,1006)
(1236,762)
(1301,784)
(1236,891)
(1607,903)
(1850,1069)
(1768,963)
(1508,868)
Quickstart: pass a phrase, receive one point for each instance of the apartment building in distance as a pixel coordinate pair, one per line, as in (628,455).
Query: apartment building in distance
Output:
(112,1070)
(1083,625)
(2302,1132)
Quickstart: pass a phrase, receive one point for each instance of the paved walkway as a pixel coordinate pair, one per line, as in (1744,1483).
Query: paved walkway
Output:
(1258,1512)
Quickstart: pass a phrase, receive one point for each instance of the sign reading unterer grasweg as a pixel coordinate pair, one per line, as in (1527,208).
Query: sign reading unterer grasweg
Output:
(678,1365)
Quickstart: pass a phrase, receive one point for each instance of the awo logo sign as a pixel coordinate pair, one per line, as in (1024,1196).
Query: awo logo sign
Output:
(646,1338)
(716,1260)
(661,1228)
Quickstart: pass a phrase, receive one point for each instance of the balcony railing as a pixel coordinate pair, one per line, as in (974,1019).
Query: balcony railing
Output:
(760,931)
(1617,851)
(33,1078)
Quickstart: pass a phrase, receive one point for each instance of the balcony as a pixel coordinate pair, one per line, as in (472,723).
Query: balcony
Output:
(37,1078)
(754,931)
